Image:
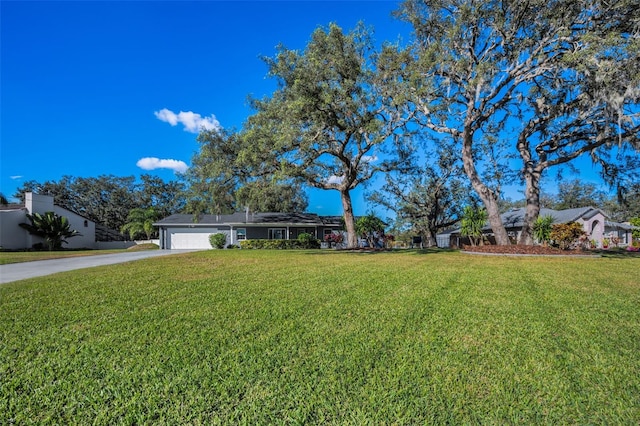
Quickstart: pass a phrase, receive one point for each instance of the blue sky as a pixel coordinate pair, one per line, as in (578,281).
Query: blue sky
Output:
(86,85)
(91,88)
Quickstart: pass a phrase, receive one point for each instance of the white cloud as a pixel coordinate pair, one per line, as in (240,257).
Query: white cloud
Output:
(369,158)
(152,163)
(16,177)
(335,180)
(191,121)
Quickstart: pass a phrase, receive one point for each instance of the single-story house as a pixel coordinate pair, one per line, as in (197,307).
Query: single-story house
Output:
(14,237)
(187,231)
(594,222)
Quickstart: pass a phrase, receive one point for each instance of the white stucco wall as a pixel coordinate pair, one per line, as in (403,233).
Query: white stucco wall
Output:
(84,226)
(12,236)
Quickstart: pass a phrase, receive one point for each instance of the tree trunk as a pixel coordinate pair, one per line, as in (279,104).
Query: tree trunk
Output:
(532,209)
(486,195)
(349,220)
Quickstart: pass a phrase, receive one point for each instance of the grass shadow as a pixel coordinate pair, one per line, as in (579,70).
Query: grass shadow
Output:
(426,251)
(618,253)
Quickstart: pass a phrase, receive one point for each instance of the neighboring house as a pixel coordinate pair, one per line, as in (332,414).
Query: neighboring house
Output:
(186,231)
(14,237)
(594,222)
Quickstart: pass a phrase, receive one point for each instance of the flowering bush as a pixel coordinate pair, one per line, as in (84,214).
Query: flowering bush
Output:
(633,248)
(333,238)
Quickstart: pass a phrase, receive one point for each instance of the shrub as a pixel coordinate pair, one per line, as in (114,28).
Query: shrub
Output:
(566,235)
(275,244)
(333,238)
(308,241)
(218,241)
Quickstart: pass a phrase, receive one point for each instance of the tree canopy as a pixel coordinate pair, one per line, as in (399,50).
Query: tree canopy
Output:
(331,118)
(108,199)
(490,70)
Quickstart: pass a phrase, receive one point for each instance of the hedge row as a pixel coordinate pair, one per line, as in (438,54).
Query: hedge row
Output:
(279,244)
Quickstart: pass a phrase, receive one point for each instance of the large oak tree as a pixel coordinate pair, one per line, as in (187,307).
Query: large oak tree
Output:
(476,62)
(331,119)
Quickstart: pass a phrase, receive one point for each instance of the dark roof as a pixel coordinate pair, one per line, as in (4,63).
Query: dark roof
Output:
(515,218)
(298,219)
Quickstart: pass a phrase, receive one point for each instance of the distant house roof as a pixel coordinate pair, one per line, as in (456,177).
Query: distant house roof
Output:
(291,219)
(515,218)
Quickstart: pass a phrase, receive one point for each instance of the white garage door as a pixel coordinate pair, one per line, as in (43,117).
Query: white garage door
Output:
(190,239)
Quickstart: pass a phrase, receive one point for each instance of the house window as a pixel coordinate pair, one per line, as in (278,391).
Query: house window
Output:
(86,223)
(242,234)
(277,233)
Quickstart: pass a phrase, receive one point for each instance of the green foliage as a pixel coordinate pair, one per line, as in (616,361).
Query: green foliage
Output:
(225,177)
(53,228)
(542,228)
(370,227)
(567,235)
(108,199)
(337,338)
(473,220)
(140,223)
(3,200)
(636,232)
(329,116)
(308,241)
(577,193)
(257,244)
(567,71)
(218,241)
(427,197)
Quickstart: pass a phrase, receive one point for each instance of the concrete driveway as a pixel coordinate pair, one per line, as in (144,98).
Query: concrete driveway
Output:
(22,271)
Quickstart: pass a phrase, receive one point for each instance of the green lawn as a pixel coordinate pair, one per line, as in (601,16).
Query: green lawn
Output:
(7,257)
(290,337)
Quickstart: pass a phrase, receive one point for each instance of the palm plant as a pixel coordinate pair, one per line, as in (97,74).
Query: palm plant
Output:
(140,222)
(53,228)
(542,229)
(473,220)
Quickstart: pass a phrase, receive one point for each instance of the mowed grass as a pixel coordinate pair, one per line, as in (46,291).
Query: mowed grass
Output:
(288,337)
(7,257)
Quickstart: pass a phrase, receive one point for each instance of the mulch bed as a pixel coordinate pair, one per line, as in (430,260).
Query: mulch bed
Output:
(531,250)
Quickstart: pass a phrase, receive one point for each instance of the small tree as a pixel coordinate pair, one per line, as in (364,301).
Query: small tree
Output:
(140,222)
(370,227)
(542,229)
(218,241)
(473,220)
(53,228)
